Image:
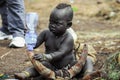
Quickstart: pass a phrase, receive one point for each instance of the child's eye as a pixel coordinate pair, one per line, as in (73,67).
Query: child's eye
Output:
(59,24)
(53,22)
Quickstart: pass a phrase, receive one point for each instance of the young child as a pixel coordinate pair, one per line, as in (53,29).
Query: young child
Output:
(59,44)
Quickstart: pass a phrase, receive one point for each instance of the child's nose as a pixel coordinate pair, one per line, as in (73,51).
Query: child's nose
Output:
(53,26)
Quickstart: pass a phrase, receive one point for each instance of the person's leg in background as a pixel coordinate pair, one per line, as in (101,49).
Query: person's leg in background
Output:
(15,20)
(4,32)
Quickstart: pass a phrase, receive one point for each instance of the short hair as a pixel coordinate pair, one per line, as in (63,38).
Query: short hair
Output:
(62,6)
(69,11)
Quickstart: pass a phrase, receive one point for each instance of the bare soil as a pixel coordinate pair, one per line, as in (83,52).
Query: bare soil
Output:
(103,34)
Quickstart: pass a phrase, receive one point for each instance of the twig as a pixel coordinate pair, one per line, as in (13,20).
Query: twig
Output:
(1,57)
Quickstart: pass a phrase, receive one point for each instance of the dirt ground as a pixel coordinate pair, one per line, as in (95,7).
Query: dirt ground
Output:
(101,31)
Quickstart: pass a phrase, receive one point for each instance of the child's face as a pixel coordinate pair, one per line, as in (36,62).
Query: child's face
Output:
(58,27)
(58,22)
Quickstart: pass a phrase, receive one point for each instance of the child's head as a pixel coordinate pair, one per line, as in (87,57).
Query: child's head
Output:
(61,19)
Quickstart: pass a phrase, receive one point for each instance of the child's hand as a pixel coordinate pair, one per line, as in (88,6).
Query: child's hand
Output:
(42,57)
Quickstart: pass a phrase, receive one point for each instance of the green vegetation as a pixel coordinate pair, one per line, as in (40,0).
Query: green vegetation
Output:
(112,67)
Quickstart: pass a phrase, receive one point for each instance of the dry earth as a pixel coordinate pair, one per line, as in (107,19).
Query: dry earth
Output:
(95,21)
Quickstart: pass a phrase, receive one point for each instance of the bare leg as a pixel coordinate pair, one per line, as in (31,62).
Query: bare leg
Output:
(75,69)
(44,71)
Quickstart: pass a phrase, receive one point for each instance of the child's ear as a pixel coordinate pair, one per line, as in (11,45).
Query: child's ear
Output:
(69,24)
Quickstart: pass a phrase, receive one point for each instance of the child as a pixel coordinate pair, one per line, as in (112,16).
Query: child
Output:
(59,44)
